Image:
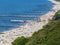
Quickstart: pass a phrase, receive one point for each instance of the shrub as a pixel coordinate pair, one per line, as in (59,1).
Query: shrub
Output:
(20,41)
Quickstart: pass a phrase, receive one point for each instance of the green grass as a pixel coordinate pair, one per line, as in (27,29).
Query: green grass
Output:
(49,35)
(57,14)
(20,41)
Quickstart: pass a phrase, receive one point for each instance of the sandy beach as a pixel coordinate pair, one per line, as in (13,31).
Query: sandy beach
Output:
(27,30)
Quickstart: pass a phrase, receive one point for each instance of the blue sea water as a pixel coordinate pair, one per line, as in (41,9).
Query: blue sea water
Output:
(21,8)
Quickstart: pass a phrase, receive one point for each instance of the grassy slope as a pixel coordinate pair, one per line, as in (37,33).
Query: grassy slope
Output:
(49,35)
(20,41)
(57,14)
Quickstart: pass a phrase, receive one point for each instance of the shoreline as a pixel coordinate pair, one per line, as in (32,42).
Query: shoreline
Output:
(27,30)
(54,1)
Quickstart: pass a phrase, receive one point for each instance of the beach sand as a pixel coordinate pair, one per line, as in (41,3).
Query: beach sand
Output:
(27,30)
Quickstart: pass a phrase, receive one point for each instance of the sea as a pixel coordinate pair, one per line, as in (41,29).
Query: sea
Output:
(11,10)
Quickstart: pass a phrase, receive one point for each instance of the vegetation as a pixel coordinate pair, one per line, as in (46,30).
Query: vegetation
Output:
(57,15)
(20,41)
(49,35)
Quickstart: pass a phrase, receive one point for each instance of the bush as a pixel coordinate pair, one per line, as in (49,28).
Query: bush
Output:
(20,41)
